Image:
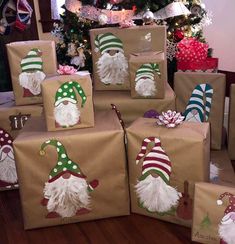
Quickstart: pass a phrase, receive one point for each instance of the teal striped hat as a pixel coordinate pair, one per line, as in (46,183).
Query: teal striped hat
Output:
(147,71)
(32,61)
(108,41)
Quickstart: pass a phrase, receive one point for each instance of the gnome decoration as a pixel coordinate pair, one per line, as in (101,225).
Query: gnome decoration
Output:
(8,176)
(198,109)
(66,111)
(66,193)
(145,83)
(112,65)
(153,189)
(32,73)
(227,224)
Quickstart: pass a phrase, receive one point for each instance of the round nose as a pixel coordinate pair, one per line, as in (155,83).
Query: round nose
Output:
(6,150)
(66,175)
(65,102)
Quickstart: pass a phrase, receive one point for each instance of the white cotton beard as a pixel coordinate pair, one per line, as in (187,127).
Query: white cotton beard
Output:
(112,69)
(67,115)
(145,87)
(193,117)
(7,169)
(227,232)
(156,195)
(67,196)
(32,81)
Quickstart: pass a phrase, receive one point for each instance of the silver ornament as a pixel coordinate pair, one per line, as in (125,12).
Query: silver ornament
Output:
(148,17)
(103,19)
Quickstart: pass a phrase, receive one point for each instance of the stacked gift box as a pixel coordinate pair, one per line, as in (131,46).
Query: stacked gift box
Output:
(76,154)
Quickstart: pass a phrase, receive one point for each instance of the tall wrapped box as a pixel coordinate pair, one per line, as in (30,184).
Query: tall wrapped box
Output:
(77,175)
(30,62)
(111,48)
(164,165)
(147,74)
(231,126)
(68,102)
(200,96)
(214,213)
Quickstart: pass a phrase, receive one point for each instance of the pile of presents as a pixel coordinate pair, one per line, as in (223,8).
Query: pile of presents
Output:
(70,158)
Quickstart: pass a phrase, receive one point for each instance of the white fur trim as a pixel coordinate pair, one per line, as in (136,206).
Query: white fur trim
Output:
(219,202)
(65,99)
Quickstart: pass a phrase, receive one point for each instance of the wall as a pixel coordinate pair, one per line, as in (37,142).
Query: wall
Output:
(221,34)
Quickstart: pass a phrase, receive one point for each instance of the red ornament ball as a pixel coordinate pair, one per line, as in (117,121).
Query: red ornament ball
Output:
(178,35)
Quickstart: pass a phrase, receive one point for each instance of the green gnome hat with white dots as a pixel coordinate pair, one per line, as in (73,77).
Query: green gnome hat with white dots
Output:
(32,62)
(147,71)
(66,92)
(64,163)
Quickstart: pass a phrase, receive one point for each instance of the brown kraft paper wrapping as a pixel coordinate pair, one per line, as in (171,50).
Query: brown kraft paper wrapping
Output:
(185,84)
(211,204)
(138,39)
(68,90)
(98,151)
(46,56)
(187,147)
(132,109)
(156,64)
(231,128)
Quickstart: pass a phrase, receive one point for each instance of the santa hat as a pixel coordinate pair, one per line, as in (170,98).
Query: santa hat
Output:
(32,62)
(108,41)
(196,101)
(66,92)
(5,139)
(231,206)
(156,161)
(147,71)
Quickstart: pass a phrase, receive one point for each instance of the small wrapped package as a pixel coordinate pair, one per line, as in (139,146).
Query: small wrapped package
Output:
(71,184)
(30,62)
(201,96)
(159,159)
(68,102)
(111,48)
(214,213)
(231,126)
(147,74)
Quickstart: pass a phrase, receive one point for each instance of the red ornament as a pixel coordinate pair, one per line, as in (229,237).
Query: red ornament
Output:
(178,35)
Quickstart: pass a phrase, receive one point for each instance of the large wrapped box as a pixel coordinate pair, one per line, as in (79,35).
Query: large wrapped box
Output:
(111,48)
(68,102)
(147,74)
(30,62)
(132,109)
(214,213)
(200,96)
(77,175)
(231,126)
(164,165)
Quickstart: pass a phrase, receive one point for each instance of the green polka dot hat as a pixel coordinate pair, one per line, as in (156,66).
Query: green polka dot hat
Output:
(147,71)
(32,61)
(66,92)
(64,163)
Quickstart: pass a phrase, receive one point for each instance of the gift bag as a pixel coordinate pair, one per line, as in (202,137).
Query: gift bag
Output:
(231,128)
(200,97)
(77,175)
(111,48)
(30,62)
(159,159)
(213,214)
(147,74)
(68,102)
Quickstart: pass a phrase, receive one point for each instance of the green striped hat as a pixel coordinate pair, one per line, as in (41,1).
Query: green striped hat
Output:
(66,92)
(147,71)
(108,41)
(32,61)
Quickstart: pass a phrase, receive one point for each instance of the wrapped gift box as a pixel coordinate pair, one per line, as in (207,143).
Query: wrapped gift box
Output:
(68,102)
(213,214)
(30,62)
(200,96)
(148,74)
(231,126)
(92,160)
(162,180)
(113,46)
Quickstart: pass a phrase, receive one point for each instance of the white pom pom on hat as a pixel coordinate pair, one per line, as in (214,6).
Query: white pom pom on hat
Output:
(219,202)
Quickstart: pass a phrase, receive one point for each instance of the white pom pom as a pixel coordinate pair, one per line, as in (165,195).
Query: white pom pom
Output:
(219,202)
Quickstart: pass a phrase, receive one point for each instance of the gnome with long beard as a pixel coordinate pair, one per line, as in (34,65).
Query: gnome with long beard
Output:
(66,193)
(66,110)
(32,73)
(112,66)
(8,176)
(153,189)
(145,79)
(227,224)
